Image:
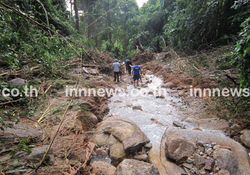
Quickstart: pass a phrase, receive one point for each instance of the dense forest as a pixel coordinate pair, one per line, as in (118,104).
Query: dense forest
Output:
(120,27)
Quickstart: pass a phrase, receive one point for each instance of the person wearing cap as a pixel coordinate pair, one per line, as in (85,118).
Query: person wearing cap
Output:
(117,71)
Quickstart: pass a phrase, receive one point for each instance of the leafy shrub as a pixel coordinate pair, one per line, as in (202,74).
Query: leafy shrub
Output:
(242,53)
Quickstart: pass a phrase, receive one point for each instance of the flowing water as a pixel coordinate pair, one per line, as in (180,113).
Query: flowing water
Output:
(152,113)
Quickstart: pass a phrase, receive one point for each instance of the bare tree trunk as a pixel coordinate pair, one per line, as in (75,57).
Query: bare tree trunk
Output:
(76,15)
(71,7)
(109,22)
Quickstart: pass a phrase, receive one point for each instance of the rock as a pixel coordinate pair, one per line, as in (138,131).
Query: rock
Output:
(100,139)
(117,151)
(228,155)
(245,138)
(137,108)
(209,164)
(85,70)
(160,97)
(148,146)
(199,161)
(93,71)
(131,137)
(37,154)
(179,150)
(135,142)
(143,157)
(18,82)
(169,85)
(179,124)
(225,159)
(223,172)
(87,119)
(150,93)
(135,167)
(20,131)
(103,168)
(102,151)
(209,151)
(187,165)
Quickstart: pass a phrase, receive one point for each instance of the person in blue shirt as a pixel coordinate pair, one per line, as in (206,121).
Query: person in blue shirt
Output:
(136,71)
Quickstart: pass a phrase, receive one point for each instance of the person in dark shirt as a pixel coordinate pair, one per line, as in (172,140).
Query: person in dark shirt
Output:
(128,64)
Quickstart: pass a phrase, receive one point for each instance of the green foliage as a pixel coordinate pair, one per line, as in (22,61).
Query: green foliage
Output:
(26,39)
(242,53)
(24,145)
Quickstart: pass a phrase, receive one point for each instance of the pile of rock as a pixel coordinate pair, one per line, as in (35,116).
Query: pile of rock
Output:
(123,145)
(208,158)
(212,154)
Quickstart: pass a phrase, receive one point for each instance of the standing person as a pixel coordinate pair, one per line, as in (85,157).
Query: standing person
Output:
(128,63)
(117,71)
(136,70)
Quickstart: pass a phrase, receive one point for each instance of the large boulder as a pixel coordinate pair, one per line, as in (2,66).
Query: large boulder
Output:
(131,137)
(135,167)
(245,138)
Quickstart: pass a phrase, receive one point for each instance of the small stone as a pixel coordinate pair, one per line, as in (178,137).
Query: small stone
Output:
(209,151)
(202,172)
(117,151)
(37,154)
(190,160)
(101,152)
(160,97)
(18,82)
(199,161)
(143,157)
(148,146)
(187,165)
(135,167)
(150,93)
(209,164)
(245,138)
(103,168)
(137,108)
(179,124)
(223,172)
